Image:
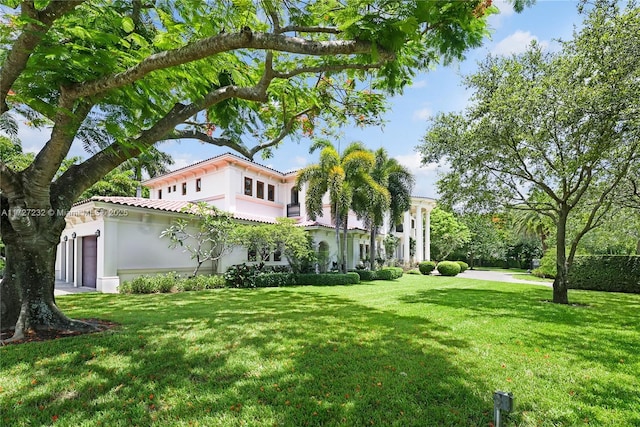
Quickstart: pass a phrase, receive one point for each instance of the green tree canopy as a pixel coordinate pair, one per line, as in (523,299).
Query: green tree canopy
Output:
(447,234)
(562,124)
(121,76)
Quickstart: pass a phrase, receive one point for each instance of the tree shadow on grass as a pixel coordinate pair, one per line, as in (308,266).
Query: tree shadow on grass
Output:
(601,331)
(259,358)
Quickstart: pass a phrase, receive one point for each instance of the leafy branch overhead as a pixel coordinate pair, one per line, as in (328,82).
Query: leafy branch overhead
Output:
(179,71)
(119,77)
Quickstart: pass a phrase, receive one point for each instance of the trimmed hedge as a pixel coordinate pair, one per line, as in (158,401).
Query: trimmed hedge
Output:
(327,279)
(389,273)
(274,280)
(612,273)
(426,267)
(367,275)
(463,266)
(448,268)
(170,282)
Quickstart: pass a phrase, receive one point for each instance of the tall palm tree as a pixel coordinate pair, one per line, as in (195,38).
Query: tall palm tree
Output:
(390,193)
(153,161)
(338,175)
(326,176)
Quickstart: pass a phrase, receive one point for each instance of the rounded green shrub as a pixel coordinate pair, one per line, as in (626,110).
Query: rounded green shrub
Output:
(414,272)
(366,275)
(463,266)
(426,267)
(448,268)
(389,273)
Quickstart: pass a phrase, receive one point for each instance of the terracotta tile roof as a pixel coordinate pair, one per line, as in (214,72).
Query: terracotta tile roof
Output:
(176,206)
(140,202)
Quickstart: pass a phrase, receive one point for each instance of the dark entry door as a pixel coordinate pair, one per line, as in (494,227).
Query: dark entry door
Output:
(89,261)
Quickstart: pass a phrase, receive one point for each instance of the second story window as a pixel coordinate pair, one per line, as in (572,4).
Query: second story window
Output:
(174,188)
(184,188)
(160,194)
(271,193)
(169,189)
(295,196)
(248,187)
(198,184)
(260,190)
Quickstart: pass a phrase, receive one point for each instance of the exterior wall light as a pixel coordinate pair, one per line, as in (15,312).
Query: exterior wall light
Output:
(97,233)
(73,235)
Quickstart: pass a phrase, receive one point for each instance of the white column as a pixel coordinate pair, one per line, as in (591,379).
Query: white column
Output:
(419,239)
(406,229)
(427,235)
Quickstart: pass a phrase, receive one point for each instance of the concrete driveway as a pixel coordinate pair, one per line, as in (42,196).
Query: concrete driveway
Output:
(499,276)
(65,288)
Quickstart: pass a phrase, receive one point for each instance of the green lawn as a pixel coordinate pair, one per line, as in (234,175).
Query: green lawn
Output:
(421,351)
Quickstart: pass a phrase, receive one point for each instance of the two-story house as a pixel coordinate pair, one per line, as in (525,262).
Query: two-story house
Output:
(111,239)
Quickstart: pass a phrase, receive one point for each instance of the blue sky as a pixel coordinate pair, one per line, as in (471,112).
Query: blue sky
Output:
(437,91)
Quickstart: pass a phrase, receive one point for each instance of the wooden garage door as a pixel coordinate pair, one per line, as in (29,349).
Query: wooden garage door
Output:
(89,261)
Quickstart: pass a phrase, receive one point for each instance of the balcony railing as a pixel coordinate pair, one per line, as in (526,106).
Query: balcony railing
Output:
(293,209)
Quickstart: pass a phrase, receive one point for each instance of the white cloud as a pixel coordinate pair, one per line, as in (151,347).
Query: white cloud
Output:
(422,114)
(413,162)
(419,84)
(506,10)
(300,161)
(516,43)
(425,175)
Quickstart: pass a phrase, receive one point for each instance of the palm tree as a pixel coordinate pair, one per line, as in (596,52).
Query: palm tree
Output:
(153,161)
(531,223)
(9,126)
(338,175)
(326,176)
(400,185)
(390,192)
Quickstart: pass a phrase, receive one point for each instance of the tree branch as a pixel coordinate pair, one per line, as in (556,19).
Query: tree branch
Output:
(47,161)
(302,29)
(27,41)
(286,129)
(321,68)
(220,142)
(217,44)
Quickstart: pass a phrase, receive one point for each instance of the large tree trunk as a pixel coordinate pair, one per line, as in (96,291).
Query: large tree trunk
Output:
(27,291)
(32,269)
(561,282)
(9,296)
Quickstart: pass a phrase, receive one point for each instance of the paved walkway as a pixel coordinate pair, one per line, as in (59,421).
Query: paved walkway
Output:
(64,288)
(499,276)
